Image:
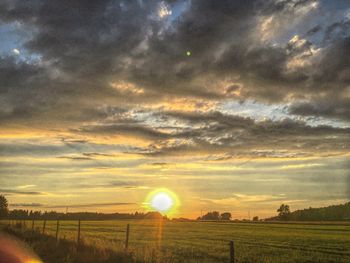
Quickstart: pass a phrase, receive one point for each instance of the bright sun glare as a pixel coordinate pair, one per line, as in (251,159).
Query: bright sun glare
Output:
(163,201)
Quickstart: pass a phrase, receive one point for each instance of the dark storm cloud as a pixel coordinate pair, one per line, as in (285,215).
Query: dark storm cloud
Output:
(80,44)
(337,30)
(331,108)
(20,89)
(332,77)
(85,46)
(202,29)
(220,36)
(313,30)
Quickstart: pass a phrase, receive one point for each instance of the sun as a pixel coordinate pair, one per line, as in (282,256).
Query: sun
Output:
(162,200)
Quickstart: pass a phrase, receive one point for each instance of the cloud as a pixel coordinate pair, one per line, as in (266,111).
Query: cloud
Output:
(16,51)
(185,133)
(26,205)
(55,148)
(90,205)
(78,62)
(238,198)
(204,133)
(111,184)
(20,192)
(95,154)
(26,186)
(215,133)
(136,130)
(333,108)
(76,158)
(161,165)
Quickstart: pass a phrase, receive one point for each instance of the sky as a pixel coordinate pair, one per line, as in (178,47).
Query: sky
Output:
(235,106)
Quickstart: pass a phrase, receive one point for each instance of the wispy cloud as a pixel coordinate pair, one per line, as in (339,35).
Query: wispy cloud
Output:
(89,205)
(26,186)
(26,205)
(20,192)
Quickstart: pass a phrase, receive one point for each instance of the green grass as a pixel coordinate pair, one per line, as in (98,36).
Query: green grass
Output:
(208,241)
(63,251)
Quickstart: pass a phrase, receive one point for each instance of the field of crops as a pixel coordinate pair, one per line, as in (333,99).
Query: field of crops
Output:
(208,241)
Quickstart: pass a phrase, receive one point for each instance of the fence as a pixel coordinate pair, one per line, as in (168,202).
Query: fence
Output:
(22,225)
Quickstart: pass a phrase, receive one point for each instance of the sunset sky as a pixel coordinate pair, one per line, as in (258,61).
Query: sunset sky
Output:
(233,105)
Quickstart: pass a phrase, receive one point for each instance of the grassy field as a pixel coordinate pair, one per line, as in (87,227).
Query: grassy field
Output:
(208,241)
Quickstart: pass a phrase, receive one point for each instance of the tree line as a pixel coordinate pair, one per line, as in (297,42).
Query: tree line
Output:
(330,213)
(22,214)
(216,216)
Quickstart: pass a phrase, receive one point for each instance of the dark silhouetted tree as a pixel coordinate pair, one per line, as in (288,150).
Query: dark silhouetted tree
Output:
(211,216)
(329,213)
(283,212)
(226,216)
(3,207)
(255,218)
(216,215)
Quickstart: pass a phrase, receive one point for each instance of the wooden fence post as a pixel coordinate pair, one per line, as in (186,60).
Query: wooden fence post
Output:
(44,226)
(33,225)
(78,239)
(127,236)
(232,252)
(57,227)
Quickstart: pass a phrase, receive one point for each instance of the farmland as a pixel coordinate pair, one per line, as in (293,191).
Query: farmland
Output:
(208,241)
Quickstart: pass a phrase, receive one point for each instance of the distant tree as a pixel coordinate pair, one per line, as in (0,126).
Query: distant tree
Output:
(283,212)
(18,214)
(3,207)
(211,216)
(36,214)
(216,215)
(329,213)
(226,216)
(255,218)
